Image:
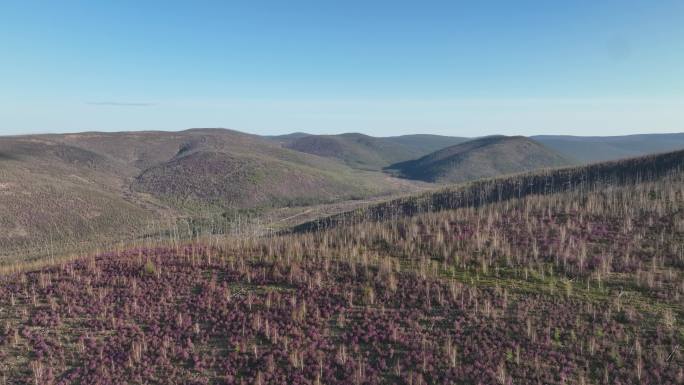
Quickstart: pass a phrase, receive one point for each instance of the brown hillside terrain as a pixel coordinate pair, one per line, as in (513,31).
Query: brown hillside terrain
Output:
(227,180)
(71,188)
(51,192)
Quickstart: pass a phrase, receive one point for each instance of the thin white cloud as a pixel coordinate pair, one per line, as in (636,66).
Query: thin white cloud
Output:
(121,104)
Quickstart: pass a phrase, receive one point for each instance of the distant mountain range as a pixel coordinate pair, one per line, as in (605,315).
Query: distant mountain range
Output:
(367,152)
(583,149)
(447,159)
(587,149)
(481,158)
(77,186)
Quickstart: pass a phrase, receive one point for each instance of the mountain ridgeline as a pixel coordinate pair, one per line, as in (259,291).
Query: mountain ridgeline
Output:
(481,158)
(587,149)
(367,152)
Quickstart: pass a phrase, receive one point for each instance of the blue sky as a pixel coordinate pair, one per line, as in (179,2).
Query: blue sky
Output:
(380,67)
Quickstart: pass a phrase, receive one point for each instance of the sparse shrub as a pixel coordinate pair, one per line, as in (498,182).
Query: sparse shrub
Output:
(150,269)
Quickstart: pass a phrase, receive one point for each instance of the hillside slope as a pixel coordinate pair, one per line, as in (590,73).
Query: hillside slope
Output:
(367,152)
(226,180)
(356,150)
(579,287)
(227,168)
(593,177)
(72,188)
(51,193)
(481,158)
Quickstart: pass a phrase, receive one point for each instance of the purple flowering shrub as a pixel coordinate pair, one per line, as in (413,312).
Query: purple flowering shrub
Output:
(546,290)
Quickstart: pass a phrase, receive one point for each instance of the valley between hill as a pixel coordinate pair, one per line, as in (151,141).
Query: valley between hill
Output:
(75,193)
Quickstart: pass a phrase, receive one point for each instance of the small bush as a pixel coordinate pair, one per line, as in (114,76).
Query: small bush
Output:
(150,268)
